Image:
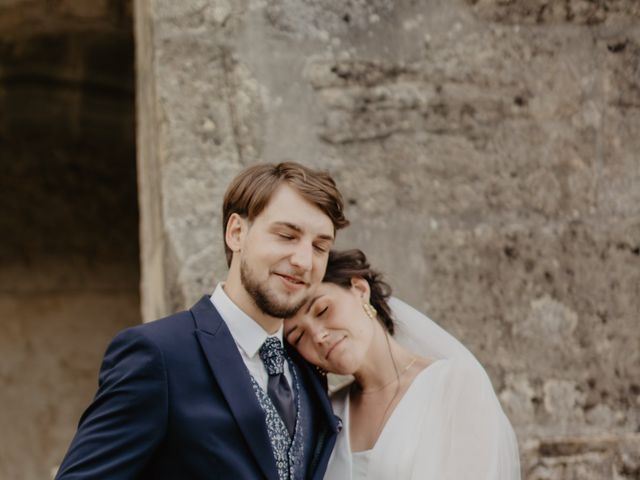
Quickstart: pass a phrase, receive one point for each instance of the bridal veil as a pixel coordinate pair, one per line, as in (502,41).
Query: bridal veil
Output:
(476,440)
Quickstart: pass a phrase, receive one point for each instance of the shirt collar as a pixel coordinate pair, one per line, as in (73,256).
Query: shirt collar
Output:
(247,333)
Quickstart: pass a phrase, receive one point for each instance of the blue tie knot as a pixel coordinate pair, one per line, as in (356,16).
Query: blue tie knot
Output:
(272,355)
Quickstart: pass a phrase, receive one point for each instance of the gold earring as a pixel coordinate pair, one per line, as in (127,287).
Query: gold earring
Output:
(370,310)
(321,371)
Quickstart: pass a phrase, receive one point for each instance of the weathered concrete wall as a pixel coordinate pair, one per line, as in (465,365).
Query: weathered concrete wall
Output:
(56,318)
(69,245)
(489,154)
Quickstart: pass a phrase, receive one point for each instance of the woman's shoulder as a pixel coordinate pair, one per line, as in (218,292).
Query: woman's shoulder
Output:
(460,371)
(449,377)
(466,384)
(468,370)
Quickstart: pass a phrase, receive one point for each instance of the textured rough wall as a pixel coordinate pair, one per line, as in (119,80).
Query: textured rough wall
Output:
(489,154)
(56,318)
(68,245)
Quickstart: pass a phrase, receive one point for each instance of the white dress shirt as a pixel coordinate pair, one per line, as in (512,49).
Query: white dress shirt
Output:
(248,335)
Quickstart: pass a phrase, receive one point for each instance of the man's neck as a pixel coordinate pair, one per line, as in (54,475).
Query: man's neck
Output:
(238,295)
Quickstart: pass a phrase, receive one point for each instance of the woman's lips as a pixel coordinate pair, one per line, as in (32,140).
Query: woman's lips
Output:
(333,347)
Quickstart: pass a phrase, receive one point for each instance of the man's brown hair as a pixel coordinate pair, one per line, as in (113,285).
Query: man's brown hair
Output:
(250,192)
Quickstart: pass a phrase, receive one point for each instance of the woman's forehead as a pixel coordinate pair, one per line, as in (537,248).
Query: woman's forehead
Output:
(324,289)
(327,288)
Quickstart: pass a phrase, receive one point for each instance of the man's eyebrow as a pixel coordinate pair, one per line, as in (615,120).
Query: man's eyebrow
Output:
(296,228)
(288,225)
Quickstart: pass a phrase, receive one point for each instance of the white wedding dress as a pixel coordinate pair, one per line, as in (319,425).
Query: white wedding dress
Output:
(448,426)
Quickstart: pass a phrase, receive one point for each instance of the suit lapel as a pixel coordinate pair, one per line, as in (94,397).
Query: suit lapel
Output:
(329,425)
(232,376)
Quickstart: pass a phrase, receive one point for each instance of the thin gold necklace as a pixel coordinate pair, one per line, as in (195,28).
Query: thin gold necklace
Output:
(398,374)
(396,379)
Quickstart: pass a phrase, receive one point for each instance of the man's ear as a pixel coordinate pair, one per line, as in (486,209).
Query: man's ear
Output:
(235,232)
(361,287)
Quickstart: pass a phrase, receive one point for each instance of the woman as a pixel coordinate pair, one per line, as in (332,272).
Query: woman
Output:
(420,405)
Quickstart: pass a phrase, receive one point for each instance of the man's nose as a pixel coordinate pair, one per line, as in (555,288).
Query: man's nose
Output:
(302,256)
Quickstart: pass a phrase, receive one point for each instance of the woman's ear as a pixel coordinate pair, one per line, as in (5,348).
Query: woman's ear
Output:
(361,287)
(235,232)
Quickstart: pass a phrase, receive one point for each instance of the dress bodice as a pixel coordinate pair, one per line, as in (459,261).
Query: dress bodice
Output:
(446,425)
(360,465)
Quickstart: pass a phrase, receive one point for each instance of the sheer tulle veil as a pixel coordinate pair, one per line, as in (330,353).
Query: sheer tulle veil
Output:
(497,457)
(419,333)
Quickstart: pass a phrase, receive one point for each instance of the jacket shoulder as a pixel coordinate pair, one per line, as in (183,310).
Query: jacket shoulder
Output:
(162,333)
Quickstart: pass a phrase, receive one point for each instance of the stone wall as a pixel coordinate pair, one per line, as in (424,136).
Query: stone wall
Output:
(69,246)
(488,151)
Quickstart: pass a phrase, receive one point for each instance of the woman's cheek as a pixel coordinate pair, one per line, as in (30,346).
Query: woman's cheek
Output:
(307,353)
(313,356)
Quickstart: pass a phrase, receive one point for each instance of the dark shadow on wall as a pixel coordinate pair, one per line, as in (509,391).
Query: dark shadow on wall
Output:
(69,265)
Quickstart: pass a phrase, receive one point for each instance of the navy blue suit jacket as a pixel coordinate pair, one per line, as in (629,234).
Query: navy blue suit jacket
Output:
(175,401)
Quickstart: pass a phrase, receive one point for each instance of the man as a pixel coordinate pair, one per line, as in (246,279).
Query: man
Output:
(209,393)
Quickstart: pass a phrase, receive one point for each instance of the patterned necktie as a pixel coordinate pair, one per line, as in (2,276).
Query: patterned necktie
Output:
(278,389)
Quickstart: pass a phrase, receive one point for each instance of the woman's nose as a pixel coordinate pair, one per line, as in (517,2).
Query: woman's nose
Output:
(320,335)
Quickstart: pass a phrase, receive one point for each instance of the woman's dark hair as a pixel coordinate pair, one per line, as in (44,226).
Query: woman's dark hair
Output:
(344,265)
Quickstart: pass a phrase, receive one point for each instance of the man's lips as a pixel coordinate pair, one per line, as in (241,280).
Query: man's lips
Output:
(331,348)
(292,279)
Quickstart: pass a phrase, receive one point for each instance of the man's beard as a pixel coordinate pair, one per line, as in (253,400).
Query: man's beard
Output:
(263,297)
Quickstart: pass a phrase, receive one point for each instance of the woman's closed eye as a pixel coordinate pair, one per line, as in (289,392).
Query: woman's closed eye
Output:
(289,335)
(317,315)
